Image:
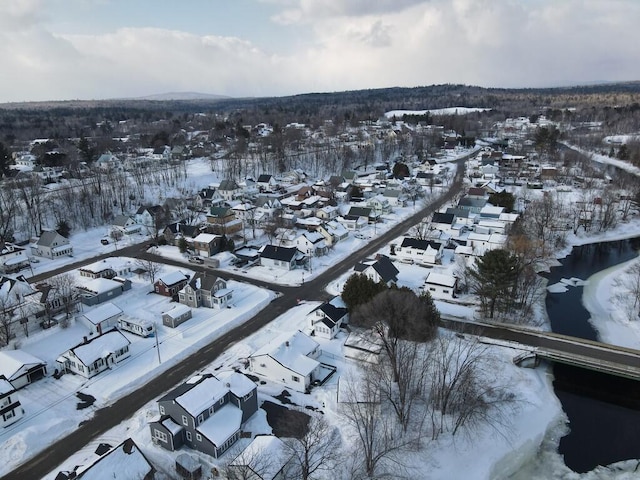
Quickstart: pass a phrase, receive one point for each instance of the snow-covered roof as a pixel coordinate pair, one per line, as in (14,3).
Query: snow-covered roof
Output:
(100,347)
(102,313)
(206,237)
(239,384)
(220,427)
(178,310)
(172,426)
(291,351)
(100,285)
(5,387)
(266,454)
(172,278)
(124,461)
(440,279)
(14,363)
(199,398)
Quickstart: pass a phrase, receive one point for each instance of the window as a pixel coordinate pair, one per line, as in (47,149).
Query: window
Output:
(211,410)
(221,401)
(8,415)
(295,378)
(432,289)
(161,410)
(200,419)
(189,436)
(248,396)
(185,420)
(198,437)
(160,435)
(445,291)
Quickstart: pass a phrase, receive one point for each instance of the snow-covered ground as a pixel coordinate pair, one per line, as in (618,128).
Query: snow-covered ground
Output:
(50,404)
(436,111)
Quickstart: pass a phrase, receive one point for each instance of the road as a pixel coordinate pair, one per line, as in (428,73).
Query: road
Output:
(562,348)
(108,417)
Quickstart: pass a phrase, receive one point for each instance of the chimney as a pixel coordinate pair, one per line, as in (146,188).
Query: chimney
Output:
(85,339)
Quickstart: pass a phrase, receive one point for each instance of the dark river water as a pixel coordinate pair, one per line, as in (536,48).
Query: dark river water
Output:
(603,411)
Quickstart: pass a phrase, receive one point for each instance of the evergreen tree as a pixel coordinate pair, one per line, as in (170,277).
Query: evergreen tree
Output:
(502,199)
(359,289)
(494,279)
(5,160)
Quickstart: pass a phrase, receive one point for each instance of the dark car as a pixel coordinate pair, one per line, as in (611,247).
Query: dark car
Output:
(196,260)
(104,241)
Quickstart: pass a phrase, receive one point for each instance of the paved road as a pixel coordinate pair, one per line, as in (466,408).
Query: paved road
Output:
(106,418)
(550,343)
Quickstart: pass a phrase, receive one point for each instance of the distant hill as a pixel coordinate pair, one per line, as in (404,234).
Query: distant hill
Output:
(182,96)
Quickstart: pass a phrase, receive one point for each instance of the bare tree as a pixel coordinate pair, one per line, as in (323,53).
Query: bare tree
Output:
(317,450)
(462,393)
(379,437)
(627,294)
(64,292)
(151,268)
(257,462)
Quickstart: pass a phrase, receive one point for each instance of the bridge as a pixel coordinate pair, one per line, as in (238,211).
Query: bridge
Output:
(536,345)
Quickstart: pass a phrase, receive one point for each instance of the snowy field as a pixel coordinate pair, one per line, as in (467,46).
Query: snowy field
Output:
(50,405)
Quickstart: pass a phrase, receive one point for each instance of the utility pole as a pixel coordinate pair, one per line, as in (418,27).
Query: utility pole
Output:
(157,343)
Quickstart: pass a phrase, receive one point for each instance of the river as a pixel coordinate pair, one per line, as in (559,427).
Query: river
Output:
(603,411)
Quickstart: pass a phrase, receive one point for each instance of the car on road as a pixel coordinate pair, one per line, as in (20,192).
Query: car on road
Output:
(197,260)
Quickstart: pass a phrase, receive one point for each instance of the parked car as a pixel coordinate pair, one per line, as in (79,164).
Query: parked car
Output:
(104,241)
(197,260)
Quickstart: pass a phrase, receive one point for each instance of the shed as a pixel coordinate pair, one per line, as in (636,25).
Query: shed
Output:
(188,467)
(176,316)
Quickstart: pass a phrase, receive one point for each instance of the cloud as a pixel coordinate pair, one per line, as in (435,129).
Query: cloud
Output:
(506,43)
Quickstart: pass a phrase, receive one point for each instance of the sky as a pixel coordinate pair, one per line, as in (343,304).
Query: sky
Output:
(96,49)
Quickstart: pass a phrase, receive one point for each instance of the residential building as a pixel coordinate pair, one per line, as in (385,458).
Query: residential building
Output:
(52,245)
(12,258)
(422,252)
(380,270)
(206,413)
(291,360)
(325,320)
(95,355)
(21,368)
(101,319)
(207,244)
(441,286)
(125,225)
(286,258)
(100,290)
(205,290)
(107,268)
(170,284)
(10,407)
(229,190)
(176,316)
(223,221)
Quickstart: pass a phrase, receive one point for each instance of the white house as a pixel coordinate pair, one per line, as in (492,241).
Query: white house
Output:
(96,355)
(422,252)
(440,285)
(266,182)
(290,360)
(325,320)
(101,319)
(21,368)
(126,225)
(380,270)
(52,245)
(284,258)
(10,408)
(12,258)
(311,243)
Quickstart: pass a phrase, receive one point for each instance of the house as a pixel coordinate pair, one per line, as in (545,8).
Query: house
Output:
(205,290)
(223,221)
(426,178)
(229,189)
(443,222)
(265,458)
(280,257)
(327,212)
(245,212)
(422,252)
(337,231)
(107,268)
(12,258)
(126,225)
(206,413)
(173,232)
(207,244)
(151,219)
(380,270)
(176,316)
(52,245)
(21,368)
(207,197)
(93,356)
(291,360)
(490,211)
(394,197)
(379,204)
(440,285)
(352,222)
(19,308)
(473,205)
(101,319)
(100,290)
(10,407)
(124,461)
(364,212)
(170,284)
(107,161)
(326,319)
(266,182)
(312,243)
